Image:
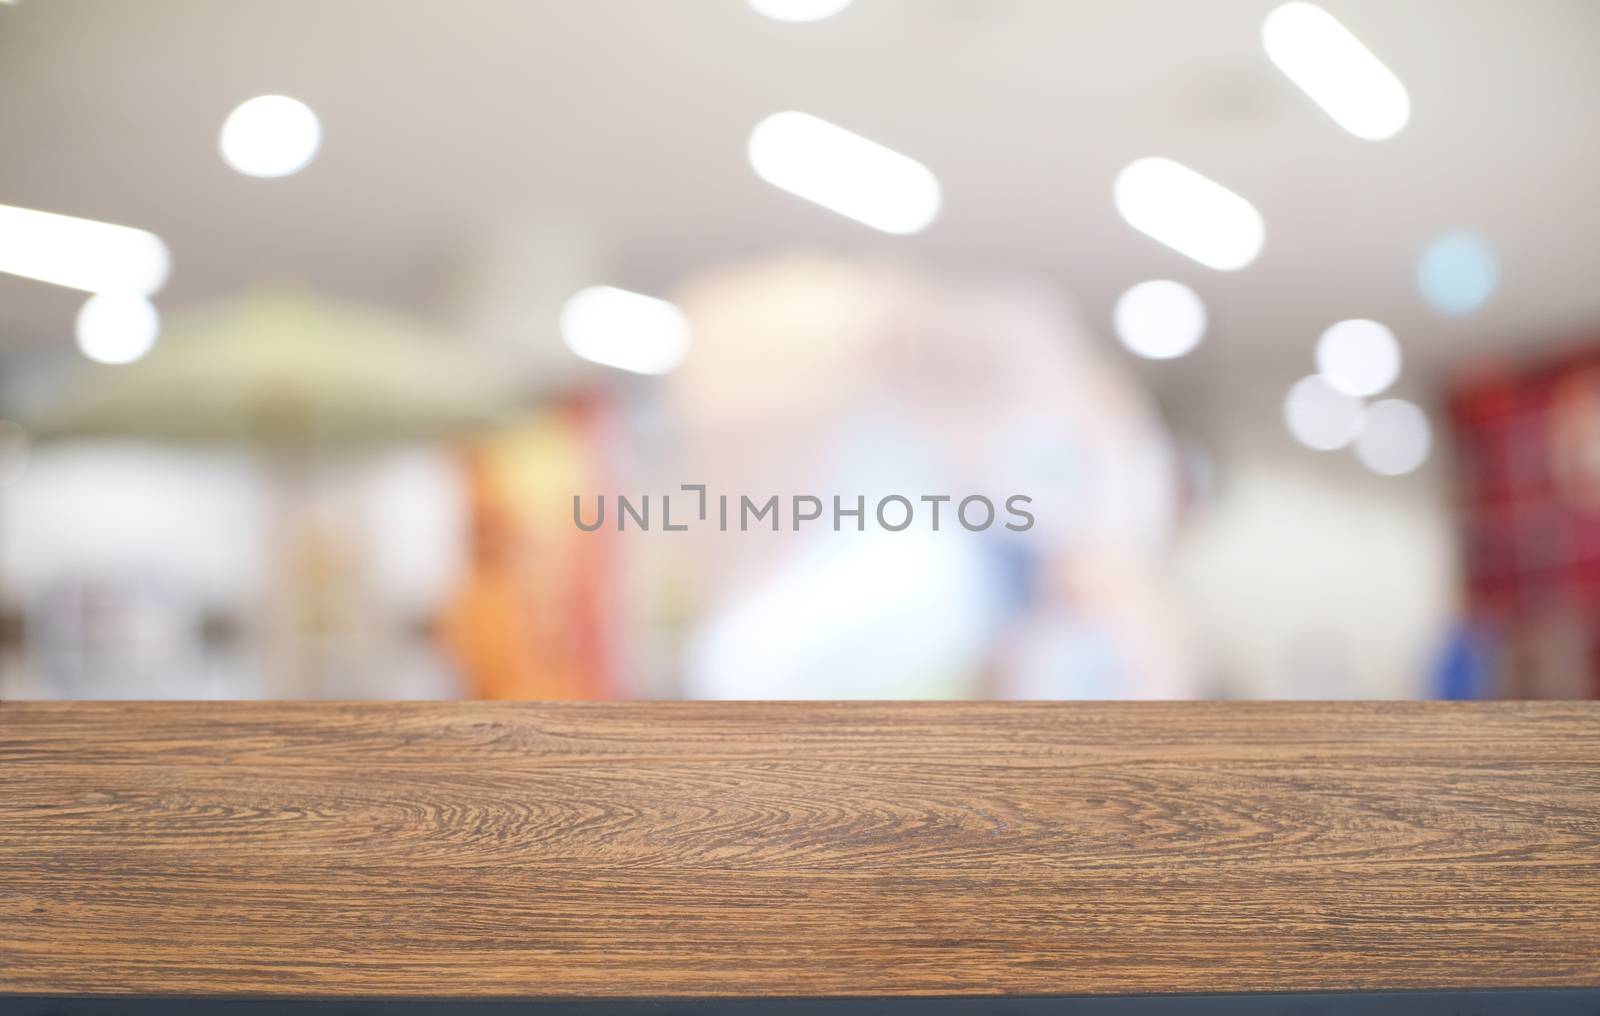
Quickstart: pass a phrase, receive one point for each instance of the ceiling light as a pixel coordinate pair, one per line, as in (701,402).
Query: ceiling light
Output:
(1320,417)
(1172,203)
(1395,438)
(799,10)
(844,172)
(270,135)
(629,331)
(80,253)
(1358,357)
(1457,273)
(117,327)
(1341,75)
(1160,319)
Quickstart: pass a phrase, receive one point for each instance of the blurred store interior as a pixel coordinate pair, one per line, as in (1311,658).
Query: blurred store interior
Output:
(315,320)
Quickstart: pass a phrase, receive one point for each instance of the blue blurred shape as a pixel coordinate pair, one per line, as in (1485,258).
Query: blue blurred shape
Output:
(1457,273)
(1466,665)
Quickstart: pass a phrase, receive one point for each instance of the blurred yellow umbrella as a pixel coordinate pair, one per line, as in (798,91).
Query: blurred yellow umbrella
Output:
(288,374)
(283,368)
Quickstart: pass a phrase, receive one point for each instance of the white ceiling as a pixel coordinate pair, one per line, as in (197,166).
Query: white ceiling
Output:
(627,121)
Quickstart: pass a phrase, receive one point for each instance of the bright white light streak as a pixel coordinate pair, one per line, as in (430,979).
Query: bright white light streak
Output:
(1341,75)
(626,330)
(798,10)
(844,172)
(1193,215)
(1358,357)
(117,327)
(1160,319)
(96,257)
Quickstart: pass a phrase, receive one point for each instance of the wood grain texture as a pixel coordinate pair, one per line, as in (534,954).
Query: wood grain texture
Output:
(728,849)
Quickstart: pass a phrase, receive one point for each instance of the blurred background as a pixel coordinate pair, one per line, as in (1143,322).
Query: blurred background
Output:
(315,318)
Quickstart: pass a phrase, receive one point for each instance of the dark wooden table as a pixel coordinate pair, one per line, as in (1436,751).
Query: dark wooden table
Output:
(705,850)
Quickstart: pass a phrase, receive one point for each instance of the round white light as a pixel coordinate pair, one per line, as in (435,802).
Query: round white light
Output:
(117,328)
(1395,438)
(271,135)
(798,10)
(1160,319)
(1320,417)
(1358,357)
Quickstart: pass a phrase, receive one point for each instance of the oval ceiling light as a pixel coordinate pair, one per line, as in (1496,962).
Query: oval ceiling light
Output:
(1193,215)
(798,10)
(1330,65)
(1320,417)
(1358,357)
(96,257)
(117,328)
(1395,439)
(844,172)
(1457,273)
(1160,319)
(270,135)
(626,330)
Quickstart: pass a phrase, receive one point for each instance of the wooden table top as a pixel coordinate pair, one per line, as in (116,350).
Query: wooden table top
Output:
(727,849)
